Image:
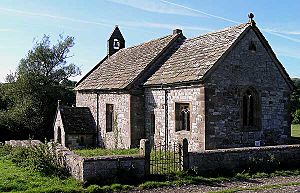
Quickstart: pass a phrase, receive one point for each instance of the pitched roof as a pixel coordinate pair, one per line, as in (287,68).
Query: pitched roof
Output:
(77,119)
(123,67)
(196,56)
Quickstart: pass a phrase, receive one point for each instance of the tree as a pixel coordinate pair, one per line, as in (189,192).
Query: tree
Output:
(28,102)
(295,102)
(49,61)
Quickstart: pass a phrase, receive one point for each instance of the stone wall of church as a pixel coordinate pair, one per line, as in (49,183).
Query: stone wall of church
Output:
(241,69)
(137,119)
(155,100)
(59,132)
(120,136)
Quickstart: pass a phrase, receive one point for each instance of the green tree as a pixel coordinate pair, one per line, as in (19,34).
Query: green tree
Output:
(295,102)
(28,102)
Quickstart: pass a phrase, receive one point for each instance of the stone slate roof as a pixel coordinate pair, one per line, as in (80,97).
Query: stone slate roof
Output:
(188,60)
(77,120)
(121,69)
(196,56)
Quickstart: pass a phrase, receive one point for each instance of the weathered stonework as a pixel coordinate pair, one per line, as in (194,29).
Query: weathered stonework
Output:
(128,124)
(241,69)
(102,167)
(234,159)
(212,75)
(78,136)
(155,102)
(59,125)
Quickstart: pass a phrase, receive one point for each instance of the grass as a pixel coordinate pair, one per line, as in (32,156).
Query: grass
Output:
(162,162)
(21,179)
(103,152)
(14,178)
(296,130)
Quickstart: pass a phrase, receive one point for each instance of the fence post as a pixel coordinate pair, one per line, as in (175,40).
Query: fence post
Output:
(145,149)
(185,154)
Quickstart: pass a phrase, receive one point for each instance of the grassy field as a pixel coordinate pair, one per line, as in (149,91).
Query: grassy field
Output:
(103,152)
(296,130)
(17,179)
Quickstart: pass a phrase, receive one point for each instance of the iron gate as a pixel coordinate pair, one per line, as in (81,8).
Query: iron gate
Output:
(166,158)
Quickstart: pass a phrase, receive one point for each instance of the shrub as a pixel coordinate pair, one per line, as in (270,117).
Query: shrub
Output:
(296,117)
(94,189)
(5,149)
(42,158)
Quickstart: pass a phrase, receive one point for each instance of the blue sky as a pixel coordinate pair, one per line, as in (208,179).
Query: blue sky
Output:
(92,21)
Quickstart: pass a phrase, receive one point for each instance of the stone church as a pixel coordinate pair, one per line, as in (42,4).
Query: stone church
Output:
(222,89)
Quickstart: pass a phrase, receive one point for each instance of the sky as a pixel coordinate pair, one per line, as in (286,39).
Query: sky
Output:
(91,22)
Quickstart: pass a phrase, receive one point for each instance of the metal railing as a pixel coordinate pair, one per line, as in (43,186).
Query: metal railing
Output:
(166,158)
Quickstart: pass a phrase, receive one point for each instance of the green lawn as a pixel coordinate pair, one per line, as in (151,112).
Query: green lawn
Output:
(296,130)
(17,179)
(103,152)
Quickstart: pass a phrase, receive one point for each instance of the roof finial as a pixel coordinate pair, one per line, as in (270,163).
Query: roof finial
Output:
(251,21)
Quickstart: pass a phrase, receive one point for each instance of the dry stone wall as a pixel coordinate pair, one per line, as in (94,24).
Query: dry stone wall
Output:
(223,160)
(103,167)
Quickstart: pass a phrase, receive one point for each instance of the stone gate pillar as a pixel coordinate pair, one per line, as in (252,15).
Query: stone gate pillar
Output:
(185,154)
(145,149)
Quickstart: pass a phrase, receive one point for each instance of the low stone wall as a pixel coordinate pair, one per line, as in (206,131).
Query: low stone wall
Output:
(22,143)
(108,167)
(239,158)
(74,163)
(103,167)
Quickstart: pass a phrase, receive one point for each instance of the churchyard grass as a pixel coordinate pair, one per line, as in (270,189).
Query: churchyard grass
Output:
(19,179)
(296,130)
(105,152)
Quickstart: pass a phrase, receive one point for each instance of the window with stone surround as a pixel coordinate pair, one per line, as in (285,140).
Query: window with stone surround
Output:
(250,110)
(109,117)
(182,116)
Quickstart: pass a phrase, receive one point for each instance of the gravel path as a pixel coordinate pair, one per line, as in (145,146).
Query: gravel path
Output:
(234,184)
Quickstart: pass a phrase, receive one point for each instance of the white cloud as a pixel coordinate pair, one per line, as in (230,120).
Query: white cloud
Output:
(20,12)
(106,23)
(158,6)
(273,32)
(6,30)
(163,26)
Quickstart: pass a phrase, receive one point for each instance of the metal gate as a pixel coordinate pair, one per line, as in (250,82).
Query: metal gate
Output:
(166,158)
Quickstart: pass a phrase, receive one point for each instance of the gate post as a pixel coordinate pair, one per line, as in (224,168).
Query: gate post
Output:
(145,150)
(185,154)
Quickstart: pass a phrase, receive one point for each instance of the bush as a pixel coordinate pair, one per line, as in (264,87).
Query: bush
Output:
(296,117)
(5,149)
(42,158)
(94,189)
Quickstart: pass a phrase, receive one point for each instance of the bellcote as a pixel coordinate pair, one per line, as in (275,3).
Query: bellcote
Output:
(115,42)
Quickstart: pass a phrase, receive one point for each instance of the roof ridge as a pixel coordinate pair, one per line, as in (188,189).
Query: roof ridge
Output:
(220,30)
(156,39)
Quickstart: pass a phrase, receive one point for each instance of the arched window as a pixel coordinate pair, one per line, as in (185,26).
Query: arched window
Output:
(250,109)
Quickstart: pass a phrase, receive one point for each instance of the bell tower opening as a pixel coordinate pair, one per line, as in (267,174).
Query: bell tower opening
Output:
(115,42)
